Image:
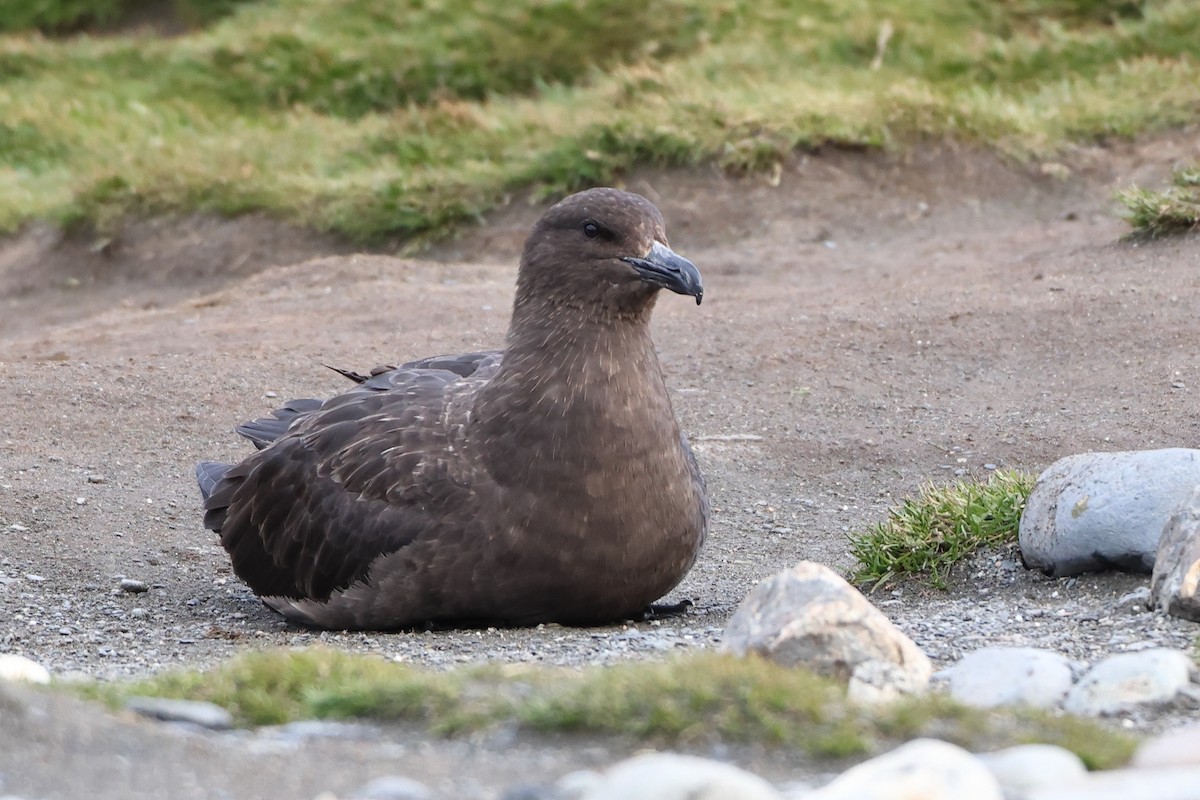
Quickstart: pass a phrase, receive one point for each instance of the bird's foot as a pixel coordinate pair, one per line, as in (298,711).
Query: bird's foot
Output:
(664,610)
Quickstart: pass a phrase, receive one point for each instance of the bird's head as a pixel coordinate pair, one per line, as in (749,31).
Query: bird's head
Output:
(603,248)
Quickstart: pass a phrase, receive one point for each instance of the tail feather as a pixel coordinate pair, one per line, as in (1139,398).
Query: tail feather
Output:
(208,475)
(265,430)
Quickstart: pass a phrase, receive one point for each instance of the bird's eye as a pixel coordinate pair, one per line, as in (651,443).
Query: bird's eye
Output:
(591,230)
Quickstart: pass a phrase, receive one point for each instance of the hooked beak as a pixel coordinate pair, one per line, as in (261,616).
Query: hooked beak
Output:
(665,268)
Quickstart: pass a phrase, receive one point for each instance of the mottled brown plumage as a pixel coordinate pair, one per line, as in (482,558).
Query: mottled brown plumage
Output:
(547,482)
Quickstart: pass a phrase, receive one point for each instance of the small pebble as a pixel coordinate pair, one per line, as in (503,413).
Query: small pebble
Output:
(206,715)
(133,586)
(96,477)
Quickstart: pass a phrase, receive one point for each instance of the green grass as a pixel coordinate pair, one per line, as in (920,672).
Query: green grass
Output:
(699,699)
(64,16)
(941,526)
(1173,210)
(384,121)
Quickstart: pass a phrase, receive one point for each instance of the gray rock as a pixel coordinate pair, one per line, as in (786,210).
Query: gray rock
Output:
(393,787)
(1002,676)
(205,715)
(1129,680)
(1097,511)
(810,616)
(133,586)
(923,768)
(1180,783)
(1179,747)
(1030,766)
(668,776)
(1175,584)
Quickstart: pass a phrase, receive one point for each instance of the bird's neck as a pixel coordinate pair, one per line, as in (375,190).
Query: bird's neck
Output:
(577,352)
(565,380)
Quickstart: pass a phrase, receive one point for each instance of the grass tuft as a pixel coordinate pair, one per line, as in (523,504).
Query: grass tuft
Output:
(944,524)
(66,16)
(703,697)
(1173,210)
(699,699)
(272,687)
(380,120)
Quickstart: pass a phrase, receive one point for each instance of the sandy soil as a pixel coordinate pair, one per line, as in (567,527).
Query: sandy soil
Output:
(870,323)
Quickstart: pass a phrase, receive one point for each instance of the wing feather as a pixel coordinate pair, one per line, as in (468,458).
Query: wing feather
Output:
(360,476)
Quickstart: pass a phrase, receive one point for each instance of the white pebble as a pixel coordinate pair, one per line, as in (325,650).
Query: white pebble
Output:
(19,668)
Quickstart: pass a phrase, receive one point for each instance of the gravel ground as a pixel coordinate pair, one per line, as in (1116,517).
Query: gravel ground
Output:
(870,324)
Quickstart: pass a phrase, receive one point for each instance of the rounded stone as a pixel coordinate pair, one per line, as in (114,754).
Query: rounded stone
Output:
(193,712)
(19,668)
(1179,747)
(1126,681)
(923,768)
(1097,511)
(1002,676)
(1033,766)
(810,616)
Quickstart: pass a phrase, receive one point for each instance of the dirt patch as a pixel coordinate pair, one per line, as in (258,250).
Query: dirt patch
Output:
(49,277)
(869,324)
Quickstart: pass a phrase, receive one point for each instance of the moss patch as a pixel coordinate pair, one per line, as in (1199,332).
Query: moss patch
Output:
(700,698)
